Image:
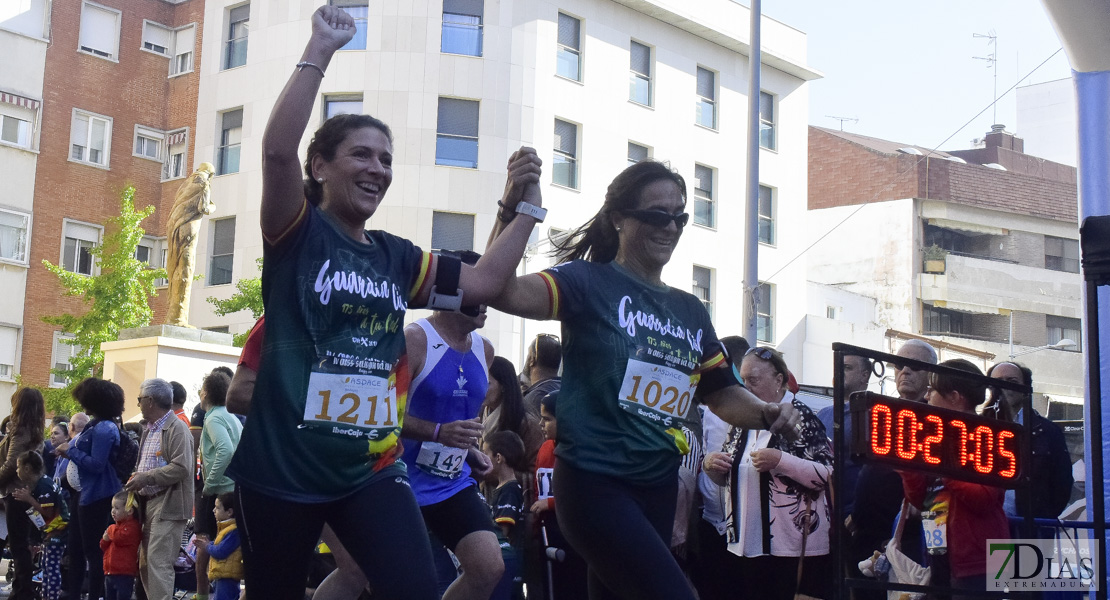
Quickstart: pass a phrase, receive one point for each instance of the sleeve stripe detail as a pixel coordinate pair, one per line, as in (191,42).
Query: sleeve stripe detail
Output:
(292,226)
(712,362)
(505,520)
(552,294)
(422,277)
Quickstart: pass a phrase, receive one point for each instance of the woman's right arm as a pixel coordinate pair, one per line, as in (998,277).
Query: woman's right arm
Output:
(282,183)
(95,460)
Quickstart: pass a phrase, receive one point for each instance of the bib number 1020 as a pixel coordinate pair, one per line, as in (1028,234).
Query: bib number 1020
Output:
(355,400)
(658,388)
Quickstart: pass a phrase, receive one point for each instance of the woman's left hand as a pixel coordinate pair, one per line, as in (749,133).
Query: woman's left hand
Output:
(766,459)
(522,183)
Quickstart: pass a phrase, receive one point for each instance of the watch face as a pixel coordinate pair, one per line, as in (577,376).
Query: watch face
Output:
(919,437)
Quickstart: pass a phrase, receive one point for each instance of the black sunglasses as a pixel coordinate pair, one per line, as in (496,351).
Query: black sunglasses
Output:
(658,218)
(764,353)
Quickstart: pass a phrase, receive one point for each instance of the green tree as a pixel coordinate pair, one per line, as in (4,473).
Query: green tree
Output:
(116,298)
(247,296)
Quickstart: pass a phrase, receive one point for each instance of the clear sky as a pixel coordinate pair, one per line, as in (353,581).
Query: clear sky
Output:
(905,68)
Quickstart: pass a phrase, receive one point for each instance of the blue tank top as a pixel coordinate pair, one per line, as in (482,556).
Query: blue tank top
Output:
(451,387)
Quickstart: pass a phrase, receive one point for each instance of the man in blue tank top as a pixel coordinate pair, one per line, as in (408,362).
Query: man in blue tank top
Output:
(449,362)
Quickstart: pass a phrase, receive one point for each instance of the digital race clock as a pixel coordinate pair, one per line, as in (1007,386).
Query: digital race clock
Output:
(916,436)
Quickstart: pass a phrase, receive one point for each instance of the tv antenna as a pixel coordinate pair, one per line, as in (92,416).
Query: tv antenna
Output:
(842,119)
(992,63)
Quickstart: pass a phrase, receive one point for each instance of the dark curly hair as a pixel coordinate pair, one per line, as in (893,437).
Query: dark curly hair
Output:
(100,398)
(597,239)
(215,388)
(325,142)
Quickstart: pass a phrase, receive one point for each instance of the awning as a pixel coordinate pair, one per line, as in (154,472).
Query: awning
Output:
(968,307)
(177,138)
(7,98)
(968,227)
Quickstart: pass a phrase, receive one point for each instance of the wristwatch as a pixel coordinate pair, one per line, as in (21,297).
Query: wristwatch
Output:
(536,212)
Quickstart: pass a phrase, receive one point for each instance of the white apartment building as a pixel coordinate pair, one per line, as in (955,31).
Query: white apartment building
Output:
(22,34)
(591,84)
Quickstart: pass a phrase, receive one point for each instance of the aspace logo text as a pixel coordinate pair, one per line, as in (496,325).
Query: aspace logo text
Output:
(1031,565)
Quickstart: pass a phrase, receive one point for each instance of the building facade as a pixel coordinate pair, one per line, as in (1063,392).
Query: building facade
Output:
(975,249)
(592,85)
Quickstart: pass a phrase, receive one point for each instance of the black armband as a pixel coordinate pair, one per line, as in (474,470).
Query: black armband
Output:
(717,379)
(445,294)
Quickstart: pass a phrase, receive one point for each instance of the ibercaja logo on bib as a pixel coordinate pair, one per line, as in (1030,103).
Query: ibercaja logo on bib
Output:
(1022,565)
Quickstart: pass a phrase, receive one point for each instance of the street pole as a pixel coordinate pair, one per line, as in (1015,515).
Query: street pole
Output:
(751,221)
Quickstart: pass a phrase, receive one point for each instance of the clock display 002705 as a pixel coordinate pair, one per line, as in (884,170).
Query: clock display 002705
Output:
(916,436)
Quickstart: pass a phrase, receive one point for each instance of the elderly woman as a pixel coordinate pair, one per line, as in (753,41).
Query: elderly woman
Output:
(24,435)
(103,401)
(321,444)
(777,503)
(636,354)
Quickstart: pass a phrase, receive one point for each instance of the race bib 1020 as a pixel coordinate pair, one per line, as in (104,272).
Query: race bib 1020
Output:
(659,394)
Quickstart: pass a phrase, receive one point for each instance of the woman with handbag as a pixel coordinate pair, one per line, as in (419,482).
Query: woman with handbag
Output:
(776,506)
(24,434)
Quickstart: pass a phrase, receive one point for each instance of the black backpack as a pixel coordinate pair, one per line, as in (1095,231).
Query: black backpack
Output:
(125,456)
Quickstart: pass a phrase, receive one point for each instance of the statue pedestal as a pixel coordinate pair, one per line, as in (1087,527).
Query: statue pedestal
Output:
(180,354)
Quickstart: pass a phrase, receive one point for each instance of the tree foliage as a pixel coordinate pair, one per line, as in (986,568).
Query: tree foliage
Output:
(117,297)
(247,296)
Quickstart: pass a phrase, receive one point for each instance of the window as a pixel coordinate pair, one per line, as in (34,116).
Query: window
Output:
(238,26)
(99,31)
(766,215)
(639,76)
(703,282)
(90,138)
(183,41)
(564,170)
(1064,328)
(9,337)
(14,228)
(568,54)
(704,213)
(636,153)
(152,252)
(157,38)
(706,113)
(462,27)
(63,355)
(457,133)
(174,166)
(231,135)
(359,11)
(15,131)
(830,312)
(943,321)
(452,231)
(80,238)
(223,251)
(765,313)
(1061,254)
(767,121)
(342,105)
(148,143)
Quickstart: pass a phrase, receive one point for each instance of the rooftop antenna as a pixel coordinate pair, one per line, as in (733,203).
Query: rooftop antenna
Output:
(992,60)
(842,119)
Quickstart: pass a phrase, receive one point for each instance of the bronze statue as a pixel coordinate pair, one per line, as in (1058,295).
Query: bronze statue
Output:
(192,202)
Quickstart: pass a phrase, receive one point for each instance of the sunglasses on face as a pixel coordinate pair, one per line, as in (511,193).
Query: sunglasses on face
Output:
(658,218)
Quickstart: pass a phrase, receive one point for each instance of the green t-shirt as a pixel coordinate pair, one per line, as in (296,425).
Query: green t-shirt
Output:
(632,358)
(331,390)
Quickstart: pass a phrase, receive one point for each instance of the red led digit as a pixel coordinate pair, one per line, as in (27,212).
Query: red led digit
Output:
(907,436)
(933,440)
(1006,453)
(881,444)
(963,441)
(984,442)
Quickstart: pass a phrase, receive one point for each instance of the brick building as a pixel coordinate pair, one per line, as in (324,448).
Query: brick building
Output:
(117,107)
(961,247)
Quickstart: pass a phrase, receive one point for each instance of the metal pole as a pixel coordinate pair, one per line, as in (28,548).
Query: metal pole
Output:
(751,222)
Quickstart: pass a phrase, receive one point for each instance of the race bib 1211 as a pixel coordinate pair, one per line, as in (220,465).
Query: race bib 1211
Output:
(359,406)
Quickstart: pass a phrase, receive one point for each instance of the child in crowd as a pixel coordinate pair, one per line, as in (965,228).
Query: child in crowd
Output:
(506,451)
(121,548)
(568,571)
(225,565)
(48,513)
